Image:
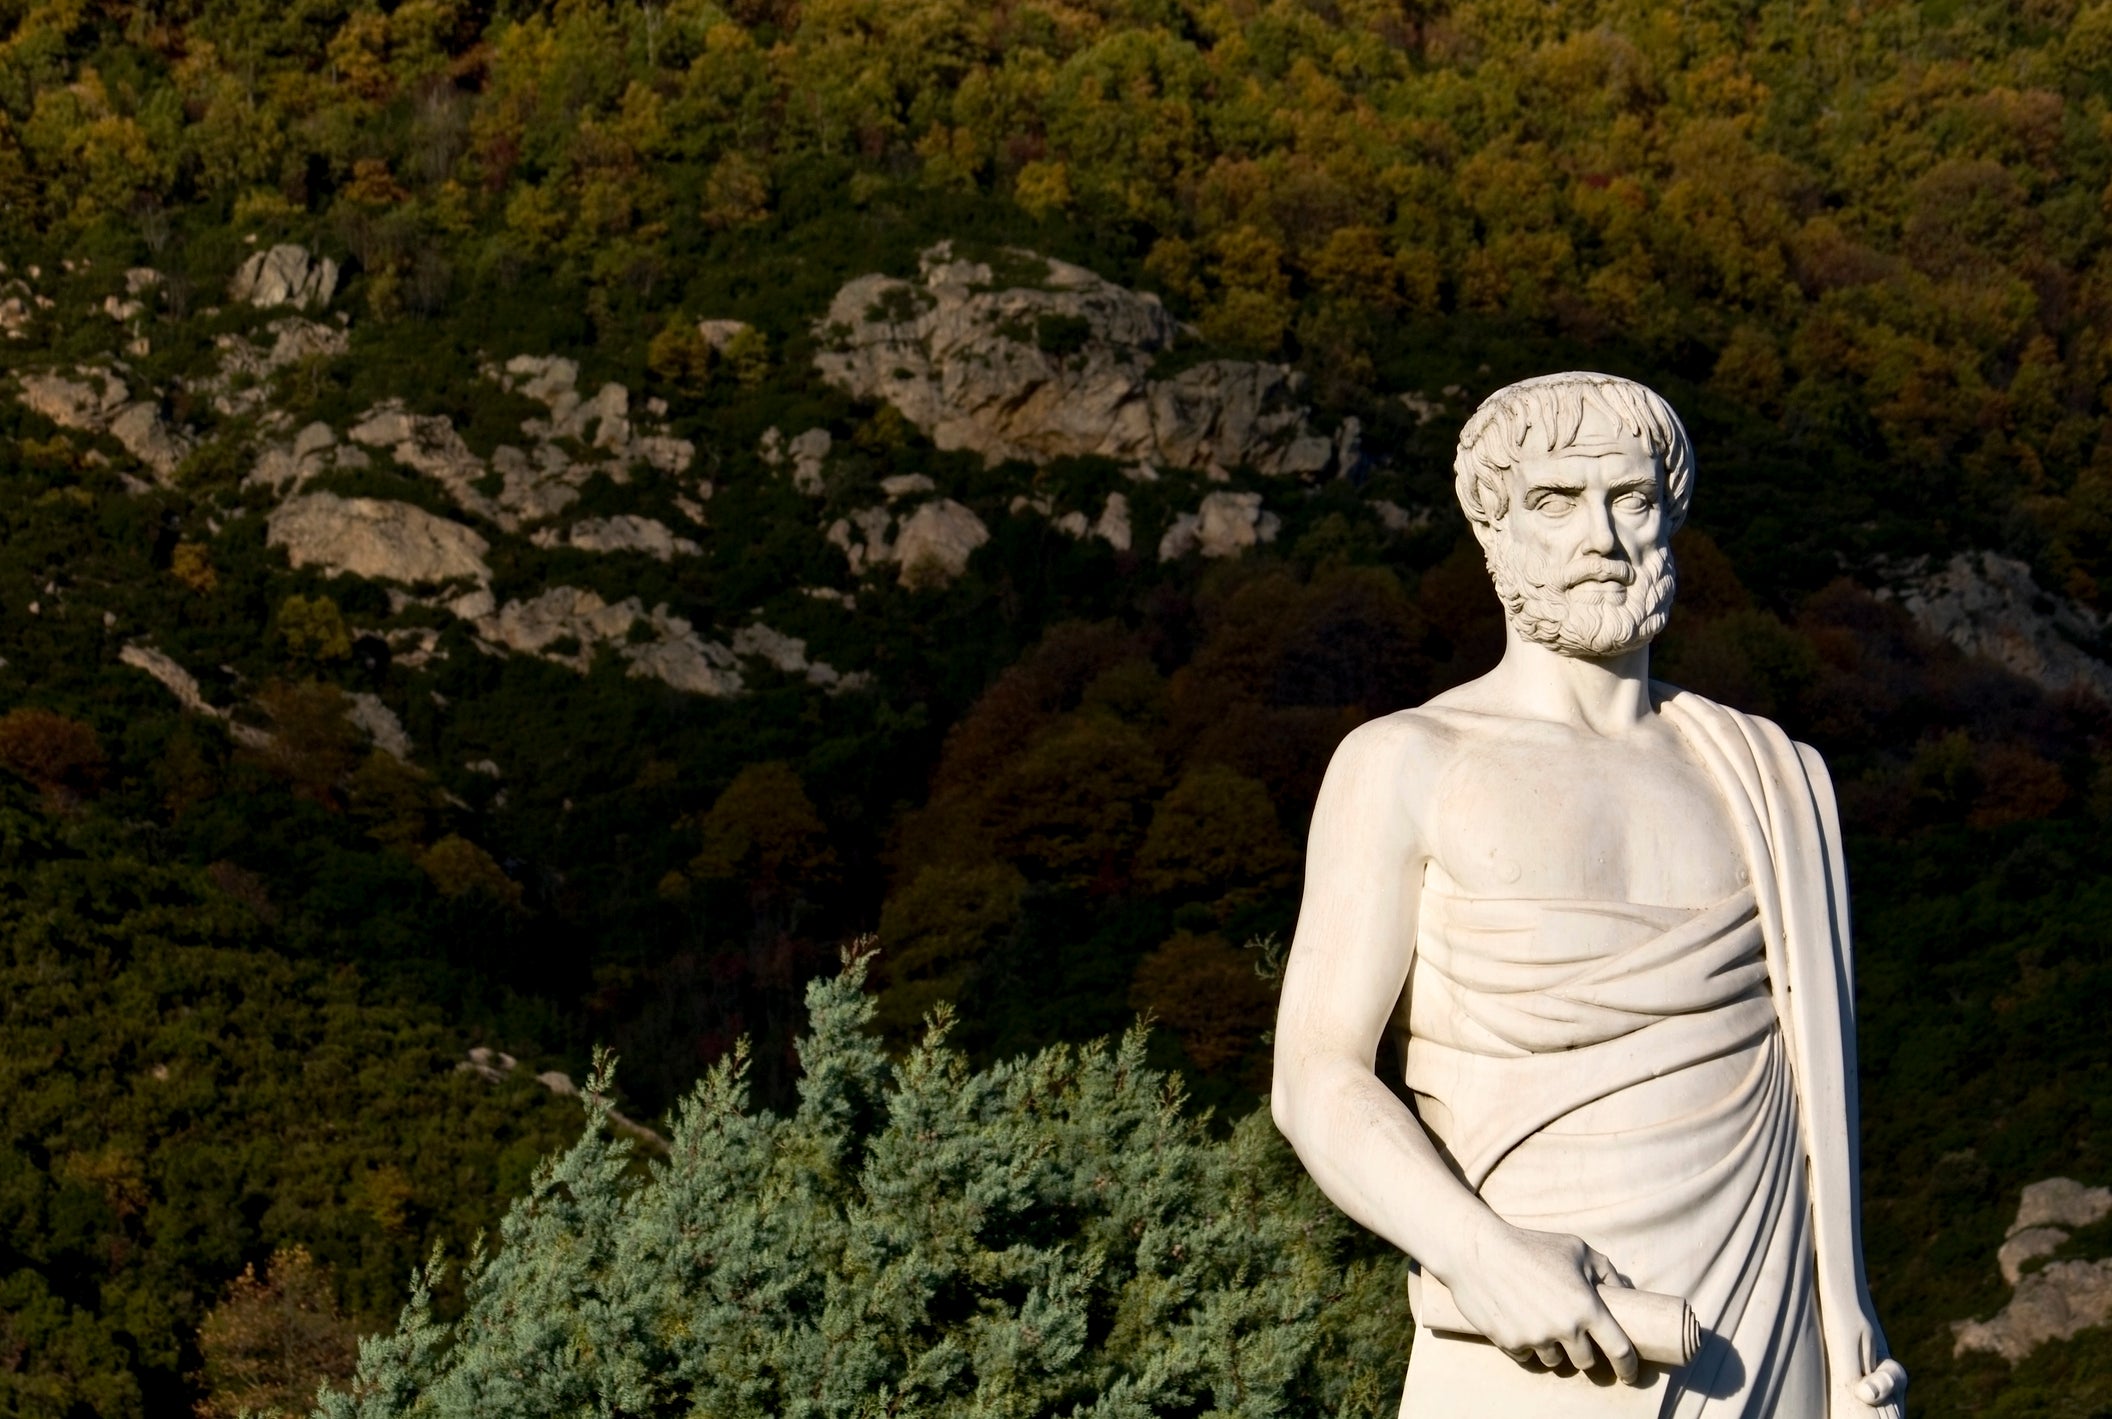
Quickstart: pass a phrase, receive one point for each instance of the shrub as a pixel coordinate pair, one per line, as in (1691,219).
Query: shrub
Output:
(1054,1234)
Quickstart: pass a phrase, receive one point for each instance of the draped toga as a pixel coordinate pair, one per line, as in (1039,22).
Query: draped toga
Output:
(1646,1078)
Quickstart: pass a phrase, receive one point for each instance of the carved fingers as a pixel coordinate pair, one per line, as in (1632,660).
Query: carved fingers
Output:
(1536,1296)
(1887,1382)
(1605,1331)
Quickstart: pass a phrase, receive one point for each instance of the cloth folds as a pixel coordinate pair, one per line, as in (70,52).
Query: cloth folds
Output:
(1673,1086)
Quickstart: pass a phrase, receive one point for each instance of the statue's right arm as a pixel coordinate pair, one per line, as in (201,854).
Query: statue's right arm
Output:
(1348,967)
(1349,963)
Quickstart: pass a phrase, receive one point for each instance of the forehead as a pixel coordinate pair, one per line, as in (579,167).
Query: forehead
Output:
(1627,461)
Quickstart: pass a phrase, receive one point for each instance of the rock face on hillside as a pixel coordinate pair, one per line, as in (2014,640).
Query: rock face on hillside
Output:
(931,544)
(387,541)
(284,275)
(1224,526)
(625,532)
(238,388)
(1053,361)
(1989,605)
(2057,1300)
(94,400)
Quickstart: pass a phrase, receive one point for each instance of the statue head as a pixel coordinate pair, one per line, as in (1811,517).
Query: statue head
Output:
(1574,484)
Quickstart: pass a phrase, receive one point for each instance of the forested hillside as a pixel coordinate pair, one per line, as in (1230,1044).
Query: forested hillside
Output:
(529,526)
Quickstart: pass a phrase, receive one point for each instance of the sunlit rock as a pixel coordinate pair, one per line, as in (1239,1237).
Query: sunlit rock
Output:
(386,541)
(284,275)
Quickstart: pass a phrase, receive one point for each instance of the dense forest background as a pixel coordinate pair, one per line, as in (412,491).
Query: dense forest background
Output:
(1862,249)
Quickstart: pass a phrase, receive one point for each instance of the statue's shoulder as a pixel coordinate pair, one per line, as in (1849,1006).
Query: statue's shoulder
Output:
(1759,728)
(1415,742)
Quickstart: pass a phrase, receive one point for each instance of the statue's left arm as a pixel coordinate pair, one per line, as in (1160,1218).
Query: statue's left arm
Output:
(1865,1380)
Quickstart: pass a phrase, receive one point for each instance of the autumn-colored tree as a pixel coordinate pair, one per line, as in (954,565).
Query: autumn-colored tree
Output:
(765,833)
(313,628)
(60,756)
(192,564)
(1208,994)
(274,1337)
(459,868)
(1215,838)
(311,743)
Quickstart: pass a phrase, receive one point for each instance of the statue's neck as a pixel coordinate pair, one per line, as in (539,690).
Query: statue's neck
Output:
(1607,696)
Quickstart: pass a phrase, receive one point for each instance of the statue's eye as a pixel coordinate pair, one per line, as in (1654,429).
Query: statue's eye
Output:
(1635,501)
(1551,501)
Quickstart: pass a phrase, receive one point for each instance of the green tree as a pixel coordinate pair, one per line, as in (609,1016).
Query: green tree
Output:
(1216,838)
(313,628)
(1049,1234)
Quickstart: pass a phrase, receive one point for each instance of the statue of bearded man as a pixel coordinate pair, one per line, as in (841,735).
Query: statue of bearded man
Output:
(1607,922)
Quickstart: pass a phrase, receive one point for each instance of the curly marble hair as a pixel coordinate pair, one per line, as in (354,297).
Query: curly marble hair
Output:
(1550,410)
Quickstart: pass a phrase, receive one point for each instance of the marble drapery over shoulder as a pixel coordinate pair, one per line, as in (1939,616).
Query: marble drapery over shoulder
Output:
(1646,1078)
(1781,801)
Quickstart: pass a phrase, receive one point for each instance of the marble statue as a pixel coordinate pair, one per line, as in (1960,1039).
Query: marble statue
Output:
(1606,922)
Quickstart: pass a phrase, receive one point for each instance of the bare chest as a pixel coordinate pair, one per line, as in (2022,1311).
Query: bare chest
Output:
(1554,815)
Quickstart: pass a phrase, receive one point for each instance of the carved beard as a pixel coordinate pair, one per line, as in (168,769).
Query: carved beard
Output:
(1548,610)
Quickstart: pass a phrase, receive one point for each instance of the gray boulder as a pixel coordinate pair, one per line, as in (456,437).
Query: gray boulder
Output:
(1060,365)
(386,541)
(1226,525)
(94,400)
(2059,1299)
(284,275)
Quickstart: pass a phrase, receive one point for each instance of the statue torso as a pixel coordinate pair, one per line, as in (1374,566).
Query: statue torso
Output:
(1518,808)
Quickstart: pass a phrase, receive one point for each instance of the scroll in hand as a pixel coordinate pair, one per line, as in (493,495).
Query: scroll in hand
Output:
(1663,1328)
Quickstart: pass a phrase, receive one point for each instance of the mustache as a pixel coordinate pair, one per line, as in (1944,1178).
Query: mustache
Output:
(1593,568)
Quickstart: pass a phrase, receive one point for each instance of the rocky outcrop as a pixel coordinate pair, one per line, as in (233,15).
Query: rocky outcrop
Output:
(238,386)
(935,542)
(788,654)
(2060,1298)
(284,275)
(1990,606)
(385,541)
(18,308)
(496,1065)
(568,626)
(1058,364)
(580,438)
(564,624)
(428,444)
(601,421)
(94,400)
(139,428)
(1112,526)
(284,467)
(379,723)
(86,402)
(1395,518)
(679,657)
(2045,1214)
(866,538)
(802,455)
(624,532)
(721,333)
(931,544)
(184,686)
(1226,525)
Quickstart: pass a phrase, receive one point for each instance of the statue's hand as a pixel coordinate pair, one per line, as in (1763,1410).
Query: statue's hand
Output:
(1532,1294)
(1881,1392)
